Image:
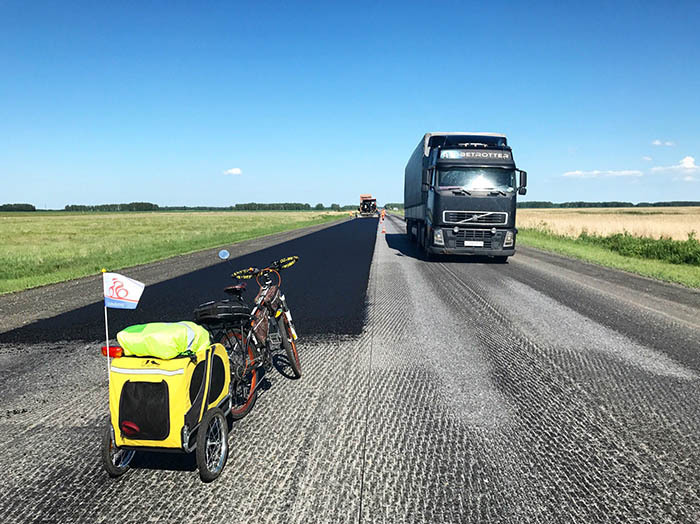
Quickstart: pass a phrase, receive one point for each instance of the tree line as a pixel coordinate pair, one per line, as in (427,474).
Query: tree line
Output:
(295,206)
(249,206)
(17,207)
(545,204)
(132,206)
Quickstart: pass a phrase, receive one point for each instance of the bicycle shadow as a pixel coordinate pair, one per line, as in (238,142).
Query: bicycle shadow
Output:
(282,364)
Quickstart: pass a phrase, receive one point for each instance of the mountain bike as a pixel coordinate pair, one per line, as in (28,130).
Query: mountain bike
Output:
(251,334)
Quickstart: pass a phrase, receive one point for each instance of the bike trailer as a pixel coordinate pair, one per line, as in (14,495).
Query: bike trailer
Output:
(160,402)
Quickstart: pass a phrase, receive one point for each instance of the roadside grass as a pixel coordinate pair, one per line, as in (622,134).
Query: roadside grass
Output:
(665,259)
(40,249)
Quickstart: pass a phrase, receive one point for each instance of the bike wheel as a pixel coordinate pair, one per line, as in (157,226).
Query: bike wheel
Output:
(115,461)
(212,445)
(290,347)
(244,390)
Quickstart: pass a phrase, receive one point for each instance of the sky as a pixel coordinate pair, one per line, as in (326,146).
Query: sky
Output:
(217,103)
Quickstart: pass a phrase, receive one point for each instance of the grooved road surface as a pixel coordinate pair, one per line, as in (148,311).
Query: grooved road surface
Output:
(542,390)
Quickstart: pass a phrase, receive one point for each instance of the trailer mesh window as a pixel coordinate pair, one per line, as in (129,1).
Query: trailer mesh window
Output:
(144,410)
(218,377)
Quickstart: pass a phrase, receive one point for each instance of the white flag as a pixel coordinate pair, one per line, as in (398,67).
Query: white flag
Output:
(121,292)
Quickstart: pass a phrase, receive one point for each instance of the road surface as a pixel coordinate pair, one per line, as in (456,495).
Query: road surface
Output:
(542,390)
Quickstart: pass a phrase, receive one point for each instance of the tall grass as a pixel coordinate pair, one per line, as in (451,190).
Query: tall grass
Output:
(664,248)
(663,259)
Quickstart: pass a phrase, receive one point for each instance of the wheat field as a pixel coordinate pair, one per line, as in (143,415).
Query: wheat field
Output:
(654,222)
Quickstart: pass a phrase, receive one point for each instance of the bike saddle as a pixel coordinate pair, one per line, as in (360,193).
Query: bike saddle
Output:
(235,290)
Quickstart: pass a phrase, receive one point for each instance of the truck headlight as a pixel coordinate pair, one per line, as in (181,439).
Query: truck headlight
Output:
(438,238)
(508,241)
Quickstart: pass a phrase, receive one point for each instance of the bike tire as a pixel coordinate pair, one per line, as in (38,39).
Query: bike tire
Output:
(244,392)
(290,347)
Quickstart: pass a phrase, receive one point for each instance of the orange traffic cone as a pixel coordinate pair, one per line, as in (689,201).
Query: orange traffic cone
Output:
(383,229)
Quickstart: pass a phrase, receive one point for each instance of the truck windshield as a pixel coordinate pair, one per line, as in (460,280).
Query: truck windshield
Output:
(476,178)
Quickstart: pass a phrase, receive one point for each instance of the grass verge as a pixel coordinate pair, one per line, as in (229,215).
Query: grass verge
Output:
(608,253)
(36,250)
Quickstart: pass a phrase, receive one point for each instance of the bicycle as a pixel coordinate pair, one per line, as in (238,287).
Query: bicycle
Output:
(250,334)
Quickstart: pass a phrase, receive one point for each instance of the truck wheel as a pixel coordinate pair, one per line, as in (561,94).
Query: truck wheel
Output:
(500,259)
(425,243)
(212,445)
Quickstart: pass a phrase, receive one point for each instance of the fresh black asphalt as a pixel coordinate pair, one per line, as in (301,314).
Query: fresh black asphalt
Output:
(325,290)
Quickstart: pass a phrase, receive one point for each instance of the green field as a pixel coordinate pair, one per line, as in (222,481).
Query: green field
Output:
(38,249)
(664,259)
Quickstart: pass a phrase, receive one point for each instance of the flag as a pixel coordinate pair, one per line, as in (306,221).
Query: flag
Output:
(121,292)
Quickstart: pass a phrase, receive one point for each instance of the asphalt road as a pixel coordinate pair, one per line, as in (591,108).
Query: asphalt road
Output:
(542,390)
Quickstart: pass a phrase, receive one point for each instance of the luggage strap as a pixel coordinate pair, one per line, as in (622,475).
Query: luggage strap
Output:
(190,340)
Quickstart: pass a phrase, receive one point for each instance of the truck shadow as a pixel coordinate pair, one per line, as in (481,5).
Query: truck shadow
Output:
(401,243)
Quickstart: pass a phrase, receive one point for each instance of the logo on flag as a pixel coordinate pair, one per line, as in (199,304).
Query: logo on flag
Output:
(121,292)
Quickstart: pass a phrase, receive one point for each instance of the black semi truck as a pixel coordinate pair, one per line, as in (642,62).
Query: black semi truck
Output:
(459,195)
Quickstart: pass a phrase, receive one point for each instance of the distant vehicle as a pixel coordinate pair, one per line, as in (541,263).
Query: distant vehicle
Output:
(459,195)
(368,206)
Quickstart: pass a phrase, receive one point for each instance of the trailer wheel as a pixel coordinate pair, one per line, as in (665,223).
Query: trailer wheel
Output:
(212,445)
(115,461)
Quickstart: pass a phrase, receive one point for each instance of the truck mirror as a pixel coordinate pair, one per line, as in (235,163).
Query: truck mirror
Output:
(522,190)
(523,179)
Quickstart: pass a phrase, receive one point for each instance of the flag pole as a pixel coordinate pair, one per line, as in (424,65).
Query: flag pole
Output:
(106,335)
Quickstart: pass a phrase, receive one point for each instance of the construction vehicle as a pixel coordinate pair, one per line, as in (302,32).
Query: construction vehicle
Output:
(368,206)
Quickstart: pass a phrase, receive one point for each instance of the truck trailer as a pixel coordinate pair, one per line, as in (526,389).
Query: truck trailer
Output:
(368,206)
(460,195)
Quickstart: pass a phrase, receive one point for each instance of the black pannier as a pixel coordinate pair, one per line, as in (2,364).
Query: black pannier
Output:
(217,313)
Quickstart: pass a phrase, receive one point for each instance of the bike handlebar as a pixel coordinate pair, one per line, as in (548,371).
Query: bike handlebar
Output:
(277,265)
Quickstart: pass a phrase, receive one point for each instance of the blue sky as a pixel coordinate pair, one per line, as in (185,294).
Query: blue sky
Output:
(150,101)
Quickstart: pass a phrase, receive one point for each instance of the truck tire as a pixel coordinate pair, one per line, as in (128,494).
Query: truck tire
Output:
(501,259)
(425,243)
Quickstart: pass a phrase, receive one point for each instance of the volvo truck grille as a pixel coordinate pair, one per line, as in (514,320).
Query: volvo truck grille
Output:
(475,217)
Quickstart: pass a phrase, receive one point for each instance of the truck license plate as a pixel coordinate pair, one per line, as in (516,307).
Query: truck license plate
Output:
(473,243)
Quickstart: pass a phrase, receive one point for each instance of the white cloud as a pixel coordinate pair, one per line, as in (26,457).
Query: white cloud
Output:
(689,178)
(596,173)
(666,143)
(647,158)
(233,171)
(686,165)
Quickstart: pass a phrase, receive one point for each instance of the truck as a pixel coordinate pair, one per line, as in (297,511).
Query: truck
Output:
(460,195)
(368,206)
